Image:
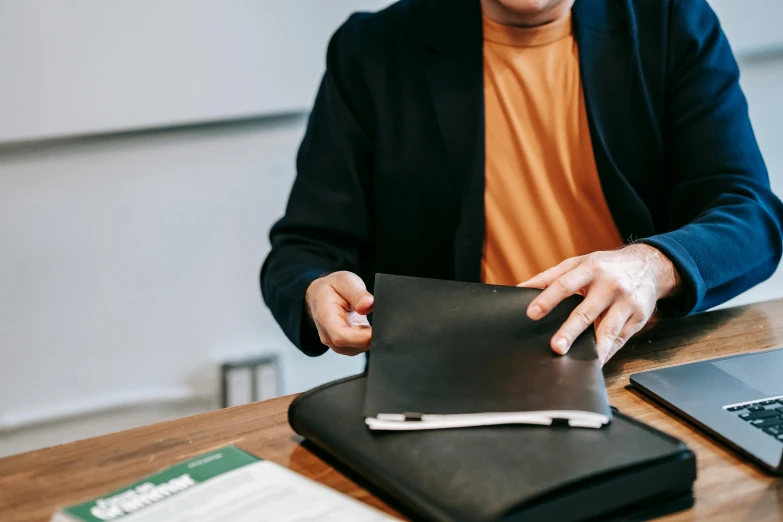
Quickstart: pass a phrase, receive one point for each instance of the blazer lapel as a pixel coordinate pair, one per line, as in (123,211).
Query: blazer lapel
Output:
(455,76)
(454,69)
(607,67)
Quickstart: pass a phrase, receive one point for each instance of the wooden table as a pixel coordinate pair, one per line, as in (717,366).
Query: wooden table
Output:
(33,485)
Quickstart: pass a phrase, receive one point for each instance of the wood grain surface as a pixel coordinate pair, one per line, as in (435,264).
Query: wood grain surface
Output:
(33,485)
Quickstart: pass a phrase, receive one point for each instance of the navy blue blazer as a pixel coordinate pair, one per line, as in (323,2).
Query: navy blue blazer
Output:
(390,174)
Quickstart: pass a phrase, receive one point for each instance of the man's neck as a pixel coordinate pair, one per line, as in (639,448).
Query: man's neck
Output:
(497,12)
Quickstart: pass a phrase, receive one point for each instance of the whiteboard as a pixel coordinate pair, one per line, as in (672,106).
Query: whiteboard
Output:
(93,66)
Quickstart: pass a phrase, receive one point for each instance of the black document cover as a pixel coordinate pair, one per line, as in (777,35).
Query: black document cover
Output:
(448,354)
(624,471)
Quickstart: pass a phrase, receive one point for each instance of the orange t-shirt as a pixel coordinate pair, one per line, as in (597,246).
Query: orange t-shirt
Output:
(543,198)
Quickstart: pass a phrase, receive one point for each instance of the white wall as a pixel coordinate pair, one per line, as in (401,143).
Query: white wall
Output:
(751,26)
(90,66)
(130,263)
(130,270)
(761,79)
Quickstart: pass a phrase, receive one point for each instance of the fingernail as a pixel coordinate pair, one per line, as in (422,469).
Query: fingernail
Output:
(534,312)
(561,345)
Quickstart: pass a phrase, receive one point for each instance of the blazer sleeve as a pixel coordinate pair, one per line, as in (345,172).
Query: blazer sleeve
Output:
(724,220)
(326,221)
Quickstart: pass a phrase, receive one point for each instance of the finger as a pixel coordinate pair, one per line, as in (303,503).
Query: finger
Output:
(344,335)
(610,330)
(351,288)
(344,332)
(631,328)
(652,321)
(349,341)
(347,351)
(564,286)
(580,320)
(545,278)
(356,319)
(329,343)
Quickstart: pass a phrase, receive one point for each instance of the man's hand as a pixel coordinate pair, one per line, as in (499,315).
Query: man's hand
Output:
(338,304)
(621,289)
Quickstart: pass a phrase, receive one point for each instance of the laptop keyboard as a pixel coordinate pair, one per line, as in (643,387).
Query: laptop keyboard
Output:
(766,415)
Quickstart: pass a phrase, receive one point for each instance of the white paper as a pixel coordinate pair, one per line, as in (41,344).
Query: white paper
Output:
(260,492)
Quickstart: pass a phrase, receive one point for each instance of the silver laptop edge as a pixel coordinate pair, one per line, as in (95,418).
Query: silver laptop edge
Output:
(702,392)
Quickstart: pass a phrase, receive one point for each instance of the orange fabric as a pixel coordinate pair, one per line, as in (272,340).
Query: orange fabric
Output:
(543,198)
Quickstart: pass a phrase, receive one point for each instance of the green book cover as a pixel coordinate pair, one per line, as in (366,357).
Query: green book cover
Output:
(156,488)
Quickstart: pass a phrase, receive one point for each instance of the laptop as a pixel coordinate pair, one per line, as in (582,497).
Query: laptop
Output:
(738,400)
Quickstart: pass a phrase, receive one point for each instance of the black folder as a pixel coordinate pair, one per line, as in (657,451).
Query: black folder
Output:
(448,354)
(624,471)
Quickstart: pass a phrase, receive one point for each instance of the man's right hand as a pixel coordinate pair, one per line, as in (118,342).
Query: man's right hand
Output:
(338,304)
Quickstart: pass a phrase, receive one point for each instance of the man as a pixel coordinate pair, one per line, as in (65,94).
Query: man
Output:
(600,147)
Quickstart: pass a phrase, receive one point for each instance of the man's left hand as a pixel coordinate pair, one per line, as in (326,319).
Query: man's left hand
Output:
(621,289)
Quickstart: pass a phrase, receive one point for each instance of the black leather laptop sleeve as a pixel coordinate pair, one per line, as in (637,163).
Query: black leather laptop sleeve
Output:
(514,472)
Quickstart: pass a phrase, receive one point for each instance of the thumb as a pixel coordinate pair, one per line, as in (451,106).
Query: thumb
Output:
(352,289)
(363,305)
